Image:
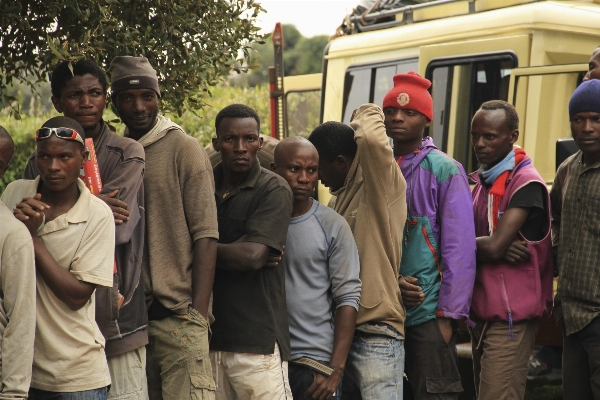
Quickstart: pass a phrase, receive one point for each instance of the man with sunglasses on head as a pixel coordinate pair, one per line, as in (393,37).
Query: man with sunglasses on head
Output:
(181,242)
(73,238)
(120,310)
(17,298)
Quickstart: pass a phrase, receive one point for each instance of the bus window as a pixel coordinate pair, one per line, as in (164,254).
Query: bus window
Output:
(303,108)
(356,90)
(440,91)
(370,83)
(459,88)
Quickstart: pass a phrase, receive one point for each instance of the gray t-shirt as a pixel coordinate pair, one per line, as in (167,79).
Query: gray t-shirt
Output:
(322,274)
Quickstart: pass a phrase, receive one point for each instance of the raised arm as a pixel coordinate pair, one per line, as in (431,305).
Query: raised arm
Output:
(382,177)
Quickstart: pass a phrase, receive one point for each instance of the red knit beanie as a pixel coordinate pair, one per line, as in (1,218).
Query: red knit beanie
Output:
(410,92)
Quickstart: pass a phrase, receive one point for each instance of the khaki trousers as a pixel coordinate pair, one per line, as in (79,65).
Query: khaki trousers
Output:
(499,363)
(178,366)
(244,376)
(128,376)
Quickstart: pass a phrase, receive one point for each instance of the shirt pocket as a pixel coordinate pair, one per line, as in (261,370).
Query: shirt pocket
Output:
(592,216)
(232,228)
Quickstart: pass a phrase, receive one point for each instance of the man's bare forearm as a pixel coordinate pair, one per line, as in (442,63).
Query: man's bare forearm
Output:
(70,290)
(345,322)
(203,273)
(242,256)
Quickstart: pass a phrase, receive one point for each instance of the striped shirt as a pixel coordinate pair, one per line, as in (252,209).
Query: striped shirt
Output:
(575,200)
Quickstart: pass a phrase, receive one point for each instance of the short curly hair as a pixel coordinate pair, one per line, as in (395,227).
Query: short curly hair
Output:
(62,74)
(236,111)
(512,118)
(333,139)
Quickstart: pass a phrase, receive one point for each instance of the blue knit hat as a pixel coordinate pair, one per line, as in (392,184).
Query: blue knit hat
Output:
(585,98)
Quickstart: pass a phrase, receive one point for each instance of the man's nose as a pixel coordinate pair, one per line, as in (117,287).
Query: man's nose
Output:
(239,146)
(138,105)
(303,177)
(478,142)
(85,100)
(54,164)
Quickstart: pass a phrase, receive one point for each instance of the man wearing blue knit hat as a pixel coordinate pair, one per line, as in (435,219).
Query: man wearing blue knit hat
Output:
(575,199)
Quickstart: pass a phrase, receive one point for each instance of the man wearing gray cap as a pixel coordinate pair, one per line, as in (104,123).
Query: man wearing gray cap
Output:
(181,236)
(575,200)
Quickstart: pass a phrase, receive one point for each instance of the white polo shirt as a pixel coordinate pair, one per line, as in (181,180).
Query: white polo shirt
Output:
(69,348)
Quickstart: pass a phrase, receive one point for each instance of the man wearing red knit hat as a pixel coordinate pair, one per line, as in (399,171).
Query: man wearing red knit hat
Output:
(437,270)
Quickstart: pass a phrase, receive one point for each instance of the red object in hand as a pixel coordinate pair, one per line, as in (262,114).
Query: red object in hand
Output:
(90,173)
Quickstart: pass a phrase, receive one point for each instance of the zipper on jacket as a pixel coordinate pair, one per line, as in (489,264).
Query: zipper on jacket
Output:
(406,232)
(511,335)
(435,257)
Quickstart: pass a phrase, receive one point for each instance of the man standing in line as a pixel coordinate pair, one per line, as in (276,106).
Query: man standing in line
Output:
(321,281)
(81,95)
(181,236)
(576,238)
(250,345)
(73,238)
(357,165)
(438,252)
(513,284)
(17,303)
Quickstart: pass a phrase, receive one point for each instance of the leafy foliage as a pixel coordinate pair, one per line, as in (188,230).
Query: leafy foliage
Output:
(199,124)
(193,44)
(301,55)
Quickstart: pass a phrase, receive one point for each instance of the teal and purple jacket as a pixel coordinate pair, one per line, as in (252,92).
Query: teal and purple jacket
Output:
(438,246)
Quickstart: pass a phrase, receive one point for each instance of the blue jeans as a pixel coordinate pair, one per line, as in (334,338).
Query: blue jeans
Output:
(94,394)
(301,378)
(374,368)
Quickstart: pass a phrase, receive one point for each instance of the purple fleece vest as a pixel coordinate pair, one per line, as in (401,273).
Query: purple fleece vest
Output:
(513,292)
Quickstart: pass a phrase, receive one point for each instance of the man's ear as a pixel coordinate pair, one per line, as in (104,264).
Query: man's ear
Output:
(273,167)
(215,143)
(514,136)
(260,142)
(342,161)
(85,154)
(56,103)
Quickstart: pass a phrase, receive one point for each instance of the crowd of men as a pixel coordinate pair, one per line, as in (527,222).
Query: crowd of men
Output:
(180,280)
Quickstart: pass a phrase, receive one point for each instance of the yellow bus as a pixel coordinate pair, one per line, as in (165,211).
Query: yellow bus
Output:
(530,53)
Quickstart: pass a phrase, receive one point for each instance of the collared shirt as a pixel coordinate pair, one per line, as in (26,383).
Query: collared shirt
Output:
(121,163)
(249,306)
(17,306)
(575,201)
(69,348)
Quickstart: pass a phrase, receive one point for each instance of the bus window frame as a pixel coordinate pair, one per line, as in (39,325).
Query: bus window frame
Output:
(465,60)
(374,65)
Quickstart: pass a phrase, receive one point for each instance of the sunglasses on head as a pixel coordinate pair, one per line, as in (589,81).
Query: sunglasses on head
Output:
(61,133)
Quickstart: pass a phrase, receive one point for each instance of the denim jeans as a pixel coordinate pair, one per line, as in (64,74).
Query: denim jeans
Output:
(374,368)
(94,394)
(302,377)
